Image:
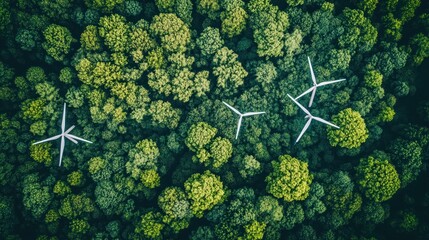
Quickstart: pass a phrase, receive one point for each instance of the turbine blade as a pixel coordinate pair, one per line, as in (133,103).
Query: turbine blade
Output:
(312,73)
(304,129)
(78,138)
(312,97)
(330,82)
(71,139)
(252,113)
(325,122)
(48,139)
(233,109)
(69,130)
(61,149)
(306,92)
(238,126)
(300,106)
(63,121)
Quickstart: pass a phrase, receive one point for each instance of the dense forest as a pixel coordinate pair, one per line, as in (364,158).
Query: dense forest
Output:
(145,81)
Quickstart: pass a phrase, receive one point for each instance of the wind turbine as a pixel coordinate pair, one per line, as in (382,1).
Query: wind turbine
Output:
(63,134)
(310,117)
(316,85)
(241,116)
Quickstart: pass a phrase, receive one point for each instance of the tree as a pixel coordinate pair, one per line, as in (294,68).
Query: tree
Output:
(175,205)
(143,163)
(89,39)
(255,230)
(228,70)
(210,151)
(208,7)
(103,5)
(40,153)
(378,178)
(114,30)
(420,44)
(233,19)
(352,132)
(359,33)
(204,192)
(248,166)
(164,115)
(368,6)
(57,42)
(407,157)
(290,179)
(269,25)
(373,78)
(150,225)
(209,41)
(74,206)
(110,199)
(36,197)
(172,31)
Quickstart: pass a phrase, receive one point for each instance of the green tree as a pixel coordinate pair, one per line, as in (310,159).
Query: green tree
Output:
(367,6)
(228,70)
(176,207)
(373,78)
(269,25)
(247,166)
(199,135)
(204,192)
(89,39)
(352,132)
(40,153)
(290,179)
(36,197)
(108,198)
(255,230)
(407,157)
(209,41)
(103,5)
(114,30)
(233,19)
(164,115)
(208,7)
(172,31)
(150,225)
(57,42)
(378,178)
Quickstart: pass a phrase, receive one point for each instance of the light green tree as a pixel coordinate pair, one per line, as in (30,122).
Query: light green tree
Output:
(290,179)
(352,132)
(204,192)
(378,178)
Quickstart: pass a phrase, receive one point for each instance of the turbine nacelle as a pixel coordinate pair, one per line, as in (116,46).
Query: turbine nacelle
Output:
(315,85)
(310,118)
(64,134)
(241,116)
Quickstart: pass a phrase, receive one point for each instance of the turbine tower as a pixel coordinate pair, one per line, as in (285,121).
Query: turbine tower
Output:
(310,118)
(316,85)
(241,116)
(64,134)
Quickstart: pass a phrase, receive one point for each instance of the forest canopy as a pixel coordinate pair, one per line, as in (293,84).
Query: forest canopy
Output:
(151,84)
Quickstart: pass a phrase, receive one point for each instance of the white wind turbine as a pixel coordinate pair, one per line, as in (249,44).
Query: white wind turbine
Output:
(241,116)
(63,134)
(316,85)
(310,117)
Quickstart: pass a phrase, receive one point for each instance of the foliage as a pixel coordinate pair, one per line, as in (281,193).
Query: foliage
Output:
(378,178)
(352,132)
(204,191)
(57,41)
(290,179)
